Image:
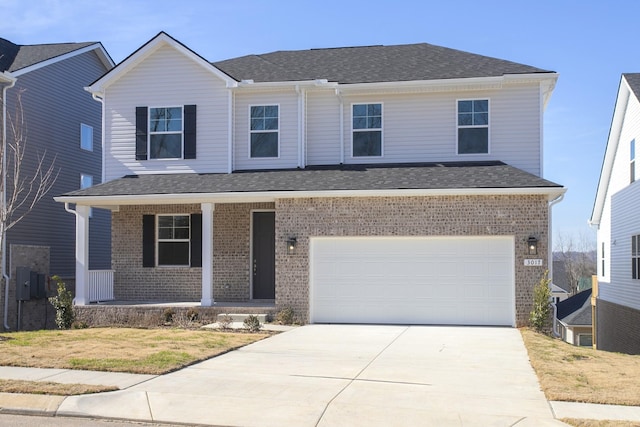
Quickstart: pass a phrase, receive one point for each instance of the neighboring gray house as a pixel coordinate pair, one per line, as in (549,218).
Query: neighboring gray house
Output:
(573,317)
(615,213)
(64,123)
(376,184)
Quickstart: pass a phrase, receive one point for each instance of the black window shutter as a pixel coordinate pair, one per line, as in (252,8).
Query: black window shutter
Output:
(189,132)
(141,133)
(148,240)
(196,240)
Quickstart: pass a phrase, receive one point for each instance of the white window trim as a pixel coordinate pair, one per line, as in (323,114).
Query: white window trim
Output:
(488,126)
(149,133)
(368,130)
(158,241)
(632,162)
(82,127)
(263,131)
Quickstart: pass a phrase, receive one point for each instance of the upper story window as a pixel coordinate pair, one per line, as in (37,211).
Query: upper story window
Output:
(473,126)
(367,130)
(166,132)
(264,131)
(632,162)
(635,257)
(86,137)
(173,239)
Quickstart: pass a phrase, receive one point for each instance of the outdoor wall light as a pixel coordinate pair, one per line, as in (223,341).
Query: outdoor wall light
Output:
(291,245)
(532,245)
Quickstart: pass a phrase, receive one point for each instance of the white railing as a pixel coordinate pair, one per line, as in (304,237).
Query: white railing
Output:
(100,285)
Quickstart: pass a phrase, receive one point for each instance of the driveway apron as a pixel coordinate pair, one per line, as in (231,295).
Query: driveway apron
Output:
(335,375)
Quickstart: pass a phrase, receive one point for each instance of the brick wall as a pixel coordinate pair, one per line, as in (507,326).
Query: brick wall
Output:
(231,260)
(517,216)
(618,327)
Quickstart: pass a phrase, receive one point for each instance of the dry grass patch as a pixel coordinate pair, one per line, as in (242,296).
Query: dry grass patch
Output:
(140,351)
(599,423)
(582,374)
(43,387)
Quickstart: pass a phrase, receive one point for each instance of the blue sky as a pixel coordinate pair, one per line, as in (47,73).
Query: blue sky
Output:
(588,43)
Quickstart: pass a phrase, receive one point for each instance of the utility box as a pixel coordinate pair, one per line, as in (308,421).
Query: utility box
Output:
(37,288)
(23,284)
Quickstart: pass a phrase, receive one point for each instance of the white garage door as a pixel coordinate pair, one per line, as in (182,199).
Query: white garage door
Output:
(412,280)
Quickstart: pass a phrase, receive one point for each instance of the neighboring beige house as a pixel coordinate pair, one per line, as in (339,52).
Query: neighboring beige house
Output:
(615,213)
(378,184)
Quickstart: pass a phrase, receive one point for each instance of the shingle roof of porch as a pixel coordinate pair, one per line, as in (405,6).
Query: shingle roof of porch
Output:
(418,176)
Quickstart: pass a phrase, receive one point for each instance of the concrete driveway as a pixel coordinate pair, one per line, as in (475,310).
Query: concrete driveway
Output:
(345,375)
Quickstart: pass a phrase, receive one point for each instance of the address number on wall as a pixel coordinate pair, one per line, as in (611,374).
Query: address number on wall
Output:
(533,262)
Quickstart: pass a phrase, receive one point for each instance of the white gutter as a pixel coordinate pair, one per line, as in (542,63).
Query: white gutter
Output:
(300,94)
(339,95)
(550,261)
(270,196)
(12,83)
(230,107)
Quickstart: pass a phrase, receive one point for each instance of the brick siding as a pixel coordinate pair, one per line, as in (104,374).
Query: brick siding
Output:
(617,327)
(517,216)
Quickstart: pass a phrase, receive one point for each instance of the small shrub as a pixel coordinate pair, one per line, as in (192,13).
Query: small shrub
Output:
(286,316)
(252,323)
(224,321)
(63,303)
(78,324)
(168,314)
(193,314)
(541,313)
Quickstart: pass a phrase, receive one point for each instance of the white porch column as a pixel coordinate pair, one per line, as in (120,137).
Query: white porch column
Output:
(82,255)
(207,254)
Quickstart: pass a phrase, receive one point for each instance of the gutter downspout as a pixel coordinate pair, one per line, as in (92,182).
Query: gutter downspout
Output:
(550,263)
(66,208)
(301,105)
(102,133)
(339,95)
(4,201)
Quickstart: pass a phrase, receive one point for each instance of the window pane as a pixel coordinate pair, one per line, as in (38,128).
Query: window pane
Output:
(257,112)
(634,245)
(173,253)
(473,140)
(465,119)
(633,149)
(465,106)
(271,111)
(360,110)
(481,106)
(480,119)
(165,221)
(374,109)
(374,123)
(359,122)
(86,137)
(264,144)
(181,220)
(271,124)
(165,233)
(181,233)
(257,124)
(367,143)
(166,146)
(634,268)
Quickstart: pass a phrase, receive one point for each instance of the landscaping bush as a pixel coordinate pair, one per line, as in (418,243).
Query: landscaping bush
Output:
(252,323)
(224,321)
(63,303)
(167,315)
(286,316)
(540,316)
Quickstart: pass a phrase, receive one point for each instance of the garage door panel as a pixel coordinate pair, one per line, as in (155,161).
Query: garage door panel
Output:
(412,280)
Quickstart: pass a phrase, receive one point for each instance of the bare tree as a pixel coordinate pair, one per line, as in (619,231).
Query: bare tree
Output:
(577,253)
(21,186)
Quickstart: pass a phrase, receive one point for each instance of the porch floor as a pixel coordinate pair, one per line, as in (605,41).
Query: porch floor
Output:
(265,304)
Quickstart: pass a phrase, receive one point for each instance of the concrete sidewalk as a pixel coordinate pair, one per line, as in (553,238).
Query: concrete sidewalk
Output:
(328,375)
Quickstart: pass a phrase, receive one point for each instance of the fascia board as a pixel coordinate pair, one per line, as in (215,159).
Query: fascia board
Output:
(162,39)
(7,77)
(96,46)
(620,109)
(270,196)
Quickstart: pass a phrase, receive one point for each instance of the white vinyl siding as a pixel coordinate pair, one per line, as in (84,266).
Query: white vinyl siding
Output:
(422,127)
(623,289)
(323,135)
(287,102)
(166,77)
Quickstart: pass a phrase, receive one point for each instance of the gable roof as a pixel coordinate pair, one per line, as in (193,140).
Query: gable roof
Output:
(370,64)
(576,310)
(14,57)
(447,178)
(629,87)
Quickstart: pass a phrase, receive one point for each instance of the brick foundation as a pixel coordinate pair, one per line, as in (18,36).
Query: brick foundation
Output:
(618,327)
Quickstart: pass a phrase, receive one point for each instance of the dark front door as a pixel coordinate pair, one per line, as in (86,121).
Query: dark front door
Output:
(264,255)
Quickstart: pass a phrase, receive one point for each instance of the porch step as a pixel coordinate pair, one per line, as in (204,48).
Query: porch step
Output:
(241,317)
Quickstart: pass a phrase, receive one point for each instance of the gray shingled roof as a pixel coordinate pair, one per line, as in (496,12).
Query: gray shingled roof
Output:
(634,82)
(576,310)
(14,57)
(367,64)
(459,175)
